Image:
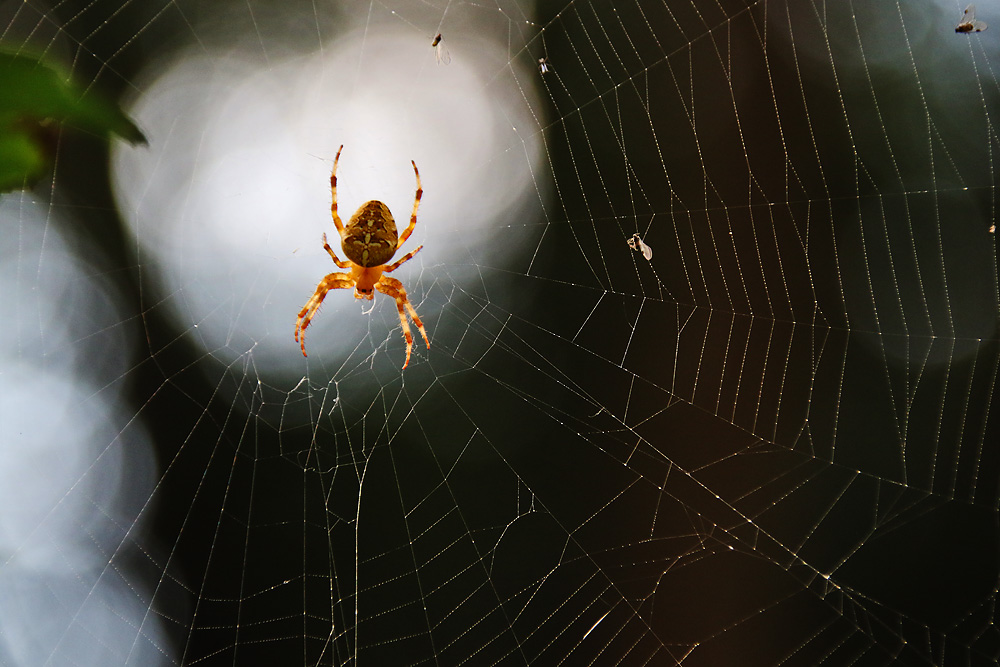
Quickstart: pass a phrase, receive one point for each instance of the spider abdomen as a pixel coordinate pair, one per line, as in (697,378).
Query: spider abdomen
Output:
(370,238)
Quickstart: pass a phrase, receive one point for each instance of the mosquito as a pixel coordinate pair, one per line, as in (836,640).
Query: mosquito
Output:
(441,53)
(637,244)
(969,22)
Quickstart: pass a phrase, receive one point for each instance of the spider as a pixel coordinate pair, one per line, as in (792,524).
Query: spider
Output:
(369,241)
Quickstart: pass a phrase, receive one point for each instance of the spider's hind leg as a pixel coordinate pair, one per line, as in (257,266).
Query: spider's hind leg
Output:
(395,265)
(416,203)
(336,260)
(333,190)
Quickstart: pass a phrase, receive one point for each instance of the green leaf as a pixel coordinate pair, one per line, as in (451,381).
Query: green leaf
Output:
(34,100)
(22,162)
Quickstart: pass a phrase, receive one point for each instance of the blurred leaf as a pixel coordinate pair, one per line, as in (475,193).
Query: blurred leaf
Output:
(22,160)
(34,98)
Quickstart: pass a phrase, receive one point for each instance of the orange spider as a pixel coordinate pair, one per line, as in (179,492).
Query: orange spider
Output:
(369,241)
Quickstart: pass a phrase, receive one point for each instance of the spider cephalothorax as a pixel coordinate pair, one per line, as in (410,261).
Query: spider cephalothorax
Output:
(369,241)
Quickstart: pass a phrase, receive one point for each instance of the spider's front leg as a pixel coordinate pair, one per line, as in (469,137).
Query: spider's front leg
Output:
(331,281)
(394,288)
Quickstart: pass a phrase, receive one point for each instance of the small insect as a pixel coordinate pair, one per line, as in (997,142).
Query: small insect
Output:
(993,228)
(969,22)
(637,244)
(441,53)
(543,64)
(369,240)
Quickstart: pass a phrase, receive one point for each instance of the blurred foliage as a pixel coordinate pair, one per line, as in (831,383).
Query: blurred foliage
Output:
(35,102)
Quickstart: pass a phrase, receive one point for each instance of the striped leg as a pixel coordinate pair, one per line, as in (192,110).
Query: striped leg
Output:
(331,281)
(413,216)
(395,265)
(394,288)
(333,188)
(336,260)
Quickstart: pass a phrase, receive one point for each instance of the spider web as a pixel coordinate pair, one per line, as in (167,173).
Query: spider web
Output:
(772,442)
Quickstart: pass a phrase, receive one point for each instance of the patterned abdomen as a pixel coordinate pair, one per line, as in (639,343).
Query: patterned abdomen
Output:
(370,237)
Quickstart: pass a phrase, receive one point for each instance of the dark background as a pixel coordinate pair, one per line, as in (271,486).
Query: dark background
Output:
(773,444)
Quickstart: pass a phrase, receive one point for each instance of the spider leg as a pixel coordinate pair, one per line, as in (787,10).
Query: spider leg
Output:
(413,216)
(331,281)
(333,189)
(395,265)
(336,260)
(394,288)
